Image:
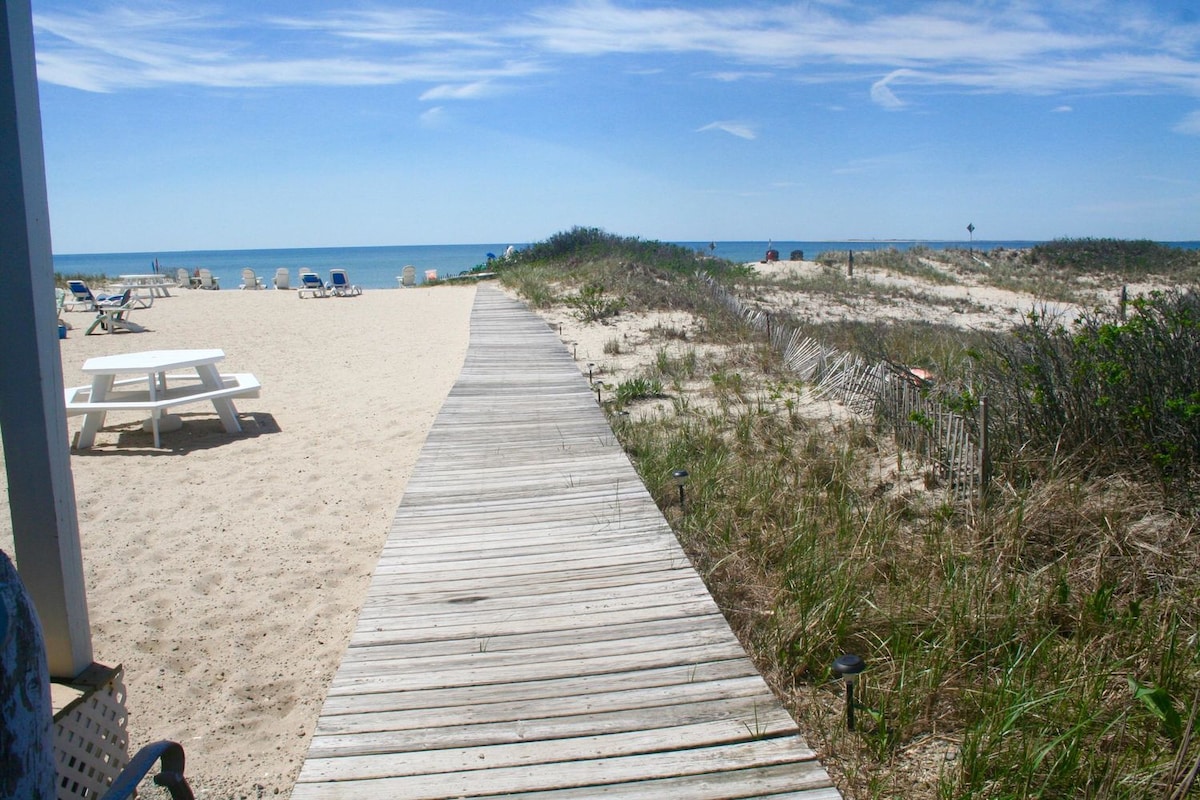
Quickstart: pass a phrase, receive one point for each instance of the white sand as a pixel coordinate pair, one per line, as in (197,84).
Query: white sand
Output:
(225,572)
(892,297)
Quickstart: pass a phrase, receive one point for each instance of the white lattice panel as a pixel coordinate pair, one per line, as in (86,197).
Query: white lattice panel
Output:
(91,745)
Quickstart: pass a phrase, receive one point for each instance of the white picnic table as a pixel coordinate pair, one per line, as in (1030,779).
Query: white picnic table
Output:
(150,390)
(158,284)
(144,288)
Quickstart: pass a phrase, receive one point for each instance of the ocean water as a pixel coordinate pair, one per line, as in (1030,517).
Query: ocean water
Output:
(369,267)
(378,267)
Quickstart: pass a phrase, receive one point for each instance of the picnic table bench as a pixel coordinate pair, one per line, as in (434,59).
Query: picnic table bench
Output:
(155,395)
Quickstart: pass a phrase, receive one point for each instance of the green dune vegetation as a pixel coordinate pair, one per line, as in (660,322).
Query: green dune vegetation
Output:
(1035,636)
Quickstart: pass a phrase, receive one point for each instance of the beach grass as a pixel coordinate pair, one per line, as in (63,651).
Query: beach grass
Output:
(61,279)
(1039,644)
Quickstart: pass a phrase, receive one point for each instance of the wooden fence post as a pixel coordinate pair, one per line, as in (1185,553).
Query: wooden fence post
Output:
(985,454)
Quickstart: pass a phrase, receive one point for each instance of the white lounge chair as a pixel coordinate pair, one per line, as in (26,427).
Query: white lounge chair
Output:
(408,277)
(207,281)
(250,280)
(340,284)
(281,278)
(183,279)
(311,282)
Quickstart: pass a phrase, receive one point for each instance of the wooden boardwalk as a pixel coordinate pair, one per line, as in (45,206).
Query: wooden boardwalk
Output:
(533,627)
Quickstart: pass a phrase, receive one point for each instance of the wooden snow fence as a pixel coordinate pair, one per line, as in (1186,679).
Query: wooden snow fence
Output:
(953,443)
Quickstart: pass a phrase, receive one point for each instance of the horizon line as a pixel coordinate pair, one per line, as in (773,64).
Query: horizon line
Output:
(770,243)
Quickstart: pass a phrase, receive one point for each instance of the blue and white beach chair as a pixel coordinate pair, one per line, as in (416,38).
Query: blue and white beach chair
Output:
(341,284)
(311,282)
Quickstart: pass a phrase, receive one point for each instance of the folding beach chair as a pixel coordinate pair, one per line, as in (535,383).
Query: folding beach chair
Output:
(250,280)
(112,314)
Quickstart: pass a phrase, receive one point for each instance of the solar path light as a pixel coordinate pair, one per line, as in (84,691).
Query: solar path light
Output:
(679,477)
(848,668)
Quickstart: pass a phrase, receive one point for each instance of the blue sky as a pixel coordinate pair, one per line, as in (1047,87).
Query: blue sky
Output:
(224,125)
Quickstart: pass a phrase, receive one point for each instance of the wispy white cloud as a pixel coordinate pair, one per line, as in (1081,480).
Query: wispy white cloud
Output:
(881,93)
(433,117)
(1015,47)
(739,129)
(462,91)
(119,47)
(878,163)
(1189,125)
(173,44)
(411,28)
(1062,110)
(1172,180)
(734,76)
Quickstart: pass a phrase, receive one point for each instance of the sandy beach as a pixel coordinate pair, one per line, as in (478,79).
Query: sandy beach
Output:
(225,572)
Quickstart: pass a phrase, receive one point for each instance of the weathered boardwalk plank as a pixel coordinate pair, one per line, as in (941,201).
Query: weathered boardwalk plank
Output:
(533,627)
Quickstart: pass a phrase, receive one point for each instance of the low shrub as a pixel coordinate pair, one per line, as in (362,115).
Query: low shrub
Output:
(1105,393)
(593,304)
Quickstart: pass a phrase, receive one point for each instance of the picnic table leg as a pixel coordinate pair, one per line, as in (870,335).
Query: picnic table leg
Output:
(94,420)
(153,381)
(211,378)
(161,419)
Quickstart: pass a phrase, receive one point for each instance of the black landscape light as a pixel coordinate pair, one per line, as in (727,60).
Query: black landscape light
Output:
(848,668)
(598,385)
(679,477)
(591,367)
